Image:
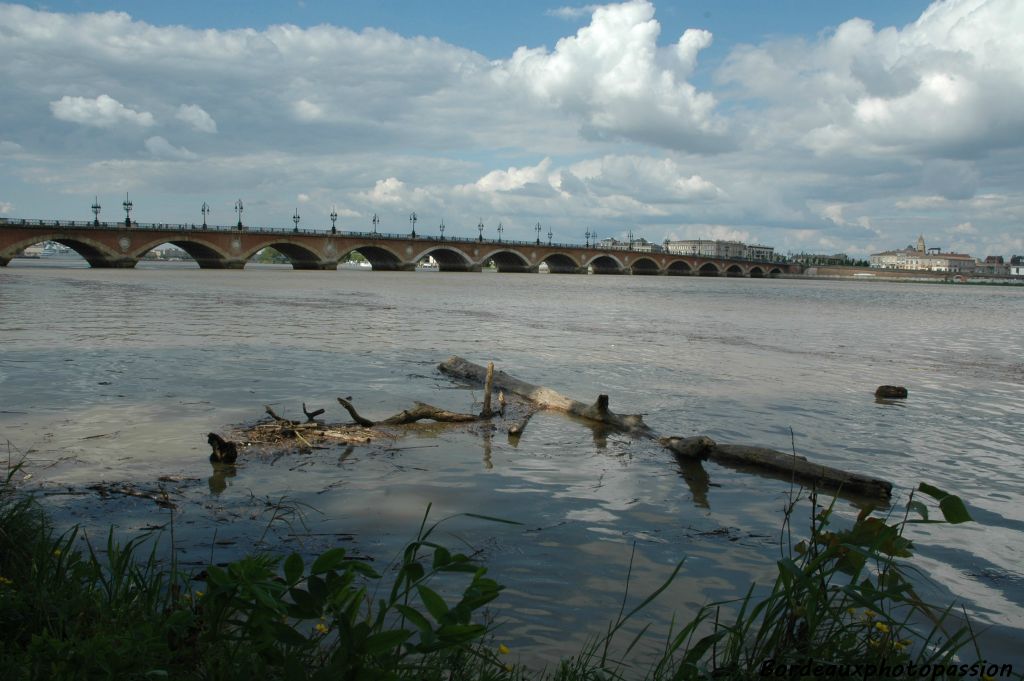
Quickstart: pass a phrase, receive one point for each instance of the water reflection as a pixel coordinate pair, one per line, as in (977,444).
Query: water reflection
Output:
(218,480)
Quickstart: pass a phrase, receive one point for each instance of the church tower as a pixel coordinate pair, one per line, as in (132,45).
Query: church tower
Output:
(920,243)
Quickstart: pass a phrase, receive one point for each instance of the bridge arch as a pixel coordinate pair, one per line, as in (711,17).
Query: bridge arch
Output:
(206,255)
(508,261)
(756,272)
(734,271)
(679,268)
(448,259)
(96,253)
(301,257)
(708,269)
(561,263)
(606,264)
(774,272)
(644,265)
(379,257)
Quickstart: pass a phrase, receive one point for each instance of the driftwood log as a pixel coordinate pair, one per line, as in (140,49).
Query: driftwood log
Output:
(761,459)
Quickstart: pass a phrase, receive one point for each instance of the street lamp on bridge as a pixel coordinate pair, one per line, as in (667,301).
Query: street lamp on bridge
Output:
(441,227)
(630,240)
(334,218)
(375,221)
(413,219)
(295,219)
(238,209)
(205,210)
(96,211)
(549,236)
(127,205)
(500,230)
(480,228)
(537,229)
(586,234)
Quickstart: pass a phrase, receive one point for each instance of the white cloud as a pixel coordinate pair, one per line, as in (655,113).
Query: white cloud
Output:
(195,116)
(161,148)
(965,228)
(5,207)
(7,147)
(571,12)
(102,112)
(615,80)
(303,198)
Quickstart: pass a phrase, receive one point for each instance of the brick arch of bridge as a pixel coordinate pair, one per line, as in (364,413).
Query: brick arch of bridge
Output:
(301,255)
(97,252)
(560,263)
(508,260)
(449,258)
(755,272)
(206,254)
(680,267)
(604,263)
(734,270)
(645,264)
(380,257)
(708,269)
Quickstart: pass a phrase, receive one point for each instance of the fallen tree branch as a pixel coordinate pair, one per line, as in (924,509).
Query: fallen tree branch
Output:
(365,423)
(311,415)
(548,398)
(418,413)
(695,449)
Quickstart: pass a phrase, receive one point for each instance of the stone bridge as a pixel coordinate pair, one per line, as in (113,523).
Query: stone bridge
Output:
(120,245)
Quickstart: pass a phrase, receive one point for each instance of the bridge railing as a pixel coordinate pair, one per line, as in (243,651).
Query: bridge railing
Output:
(383,236)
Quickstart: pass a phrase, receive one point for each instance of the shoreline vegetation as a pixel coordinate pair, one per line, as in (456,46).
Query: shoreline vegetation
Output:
(843,605)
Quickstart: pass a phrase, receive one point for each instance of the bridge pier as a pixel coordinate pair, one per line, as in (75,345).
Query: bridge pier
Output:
(125,262)
(4,261)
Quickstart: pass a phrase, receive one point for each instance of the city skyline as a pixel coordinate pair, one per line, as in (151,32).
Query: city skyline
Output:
(815,129)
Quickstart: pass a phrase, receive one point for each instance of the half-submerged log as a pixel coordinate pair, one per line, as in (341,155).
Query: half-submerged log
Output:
(546,397)
(891,392)
(691,450)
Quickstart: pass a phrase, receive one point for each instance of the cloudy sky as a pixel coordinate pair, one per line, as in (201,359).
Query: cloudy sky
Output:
(808,126)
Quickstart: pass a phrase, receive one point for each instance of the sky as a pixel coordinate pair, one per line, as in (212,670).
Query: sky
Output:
(819,127)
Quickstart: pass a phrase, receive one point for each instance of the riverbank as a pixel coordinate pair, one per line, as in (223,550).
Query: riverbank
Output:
(838,272)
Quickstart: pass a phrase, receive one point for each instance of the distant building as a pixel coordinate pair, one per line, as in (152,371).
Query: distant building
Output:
(1017,266)
(717,248)
(921,258)
(819,259)
(993,264)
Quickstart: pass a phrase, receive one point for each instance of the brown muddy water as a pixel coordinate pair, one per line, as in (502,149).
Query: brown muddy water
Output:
(116,377)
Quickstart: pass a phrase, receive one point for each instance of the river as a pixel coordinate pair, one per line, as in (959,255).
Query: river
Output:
(116,376)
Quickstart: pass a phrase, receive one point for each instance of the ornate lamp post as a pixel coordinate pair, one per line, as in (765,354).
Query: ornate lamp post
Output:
(441,227)
(593,237)
(500,230)
(631,240)
(205,210)
(127,205)
(587,235)
(413,219)
(480,228)
(295,219)
(536,228)
(96,211)
(334,218)
(238,209)
(549,236)
(375,221)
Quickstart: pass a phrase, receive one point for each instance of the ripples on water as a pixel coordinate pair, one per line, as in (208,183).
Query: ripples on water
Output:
(125,371)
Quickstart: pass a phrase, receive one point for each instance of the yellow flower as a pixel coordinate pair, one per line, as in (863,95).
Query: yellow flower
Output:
(6,582)
(869,614)
(56,553)
(852,611)
(900,645)
(503,649)
(882,627)
(321,627)
(199,594)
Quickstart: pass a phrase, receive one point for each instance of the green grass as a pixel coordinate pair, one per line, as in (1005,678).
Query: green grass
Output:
(842,597)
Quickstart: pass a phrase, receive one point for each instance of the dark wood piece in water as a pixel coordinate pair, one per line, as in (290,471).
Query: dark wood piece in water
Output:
(224,451)
(311,415)
(891,392)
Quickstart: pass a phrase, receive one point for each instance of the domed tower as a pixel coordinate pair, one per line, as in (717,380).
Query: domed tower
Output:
(920,243)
